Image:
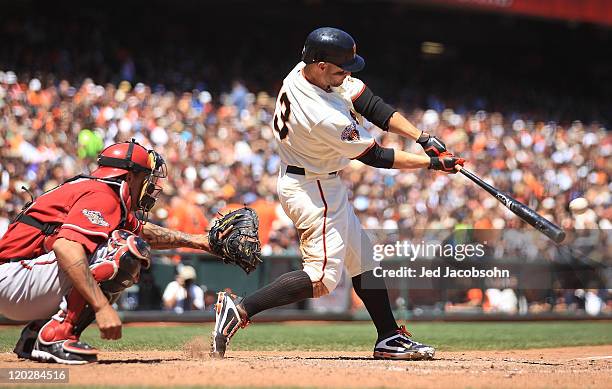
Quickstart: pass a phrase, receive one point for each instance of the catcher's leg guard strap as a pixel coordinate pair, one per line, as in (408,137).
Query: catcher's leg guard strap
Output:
(372,291)
(115,267)
(289,288)
(72,319)
(88,315)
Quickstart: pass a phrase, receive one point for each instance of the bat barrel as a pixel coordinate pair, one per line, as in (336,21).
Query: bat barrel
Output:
(536,220)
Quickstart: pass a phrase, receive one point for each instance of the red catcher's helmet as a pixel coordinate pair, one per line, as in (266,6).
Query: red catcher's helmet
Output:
(119,159)
(116,160)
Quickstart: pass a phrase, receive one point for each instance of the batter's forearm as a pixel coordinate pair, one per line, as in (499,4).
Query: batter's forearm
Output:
(161,238)
(404,160)
(72,259)
(398,124)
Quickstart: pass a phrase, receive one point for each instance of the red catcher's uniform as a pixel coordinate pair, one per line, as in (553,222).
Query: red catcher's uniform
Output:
(86,211)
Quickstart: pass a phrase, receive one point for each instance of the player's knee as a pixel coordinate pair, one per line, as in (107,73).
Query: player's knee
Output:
(319,289)
(117,266)
(323,287)
(325,282)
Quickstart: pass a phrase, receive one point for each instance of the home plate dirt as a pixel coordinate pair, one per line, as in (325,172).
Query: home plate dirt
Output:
(570,367)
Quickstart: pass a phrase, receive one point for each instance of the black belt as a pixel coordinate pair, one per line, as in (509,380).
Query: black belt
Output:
(300,170)
(45,228)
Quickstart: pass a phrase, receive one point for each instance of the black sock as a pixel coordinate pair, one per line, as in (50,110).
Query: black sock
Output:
(289,288)
(373,292)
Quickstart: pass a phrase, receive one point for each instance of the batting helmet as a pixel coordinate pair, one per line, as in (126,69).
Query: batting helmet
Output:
(328,44)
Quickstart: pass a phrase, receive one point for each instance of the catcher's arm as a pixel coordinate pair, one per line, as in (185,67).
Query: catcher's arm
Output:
(72,259)
(233,237)
(161,238)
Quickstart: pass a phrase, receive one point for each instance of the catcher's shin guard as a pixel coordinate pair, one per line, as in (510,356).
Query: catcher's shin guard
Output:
(57,341)
(116,266)
(227,322)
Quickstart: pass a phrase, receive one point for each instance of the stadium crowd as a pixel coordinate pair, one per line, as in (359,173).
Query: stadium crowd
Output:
(220,152)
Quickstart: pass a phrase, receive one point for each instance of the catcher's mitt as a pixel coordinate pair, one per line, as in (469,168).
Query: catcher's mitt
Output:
(234,238)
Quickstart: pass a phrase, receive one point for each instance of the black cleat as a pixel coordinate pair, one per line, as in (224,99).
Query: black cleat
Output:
(26,341)
(68,352)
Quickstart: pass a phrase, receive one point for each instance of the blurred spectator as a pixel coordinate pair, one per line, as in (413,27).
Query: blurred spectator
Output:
(593,302)
(183,294)
(4,221)
(501,301)
(221,155)
(210,299)
(186,213)
(473,301)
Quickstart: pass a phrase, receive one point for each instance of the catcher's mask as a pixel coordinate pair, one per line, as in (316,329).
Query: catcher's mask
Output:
(121,158)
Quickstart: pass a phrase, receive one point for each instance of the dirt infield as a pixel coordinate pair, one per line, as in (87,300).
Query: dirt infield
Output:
(572,367)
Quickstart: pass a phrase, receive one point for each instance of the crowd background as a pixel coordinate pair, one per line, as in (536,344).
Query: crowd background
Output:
(529,112)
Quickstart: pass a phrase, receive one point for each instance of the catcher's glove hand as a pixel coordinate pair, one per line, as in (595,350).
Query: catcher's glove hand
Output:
(234,238)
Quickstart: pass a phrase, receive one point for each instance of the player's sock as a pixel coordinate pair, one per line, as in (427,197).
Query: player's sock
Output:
(373,292)
(289,288)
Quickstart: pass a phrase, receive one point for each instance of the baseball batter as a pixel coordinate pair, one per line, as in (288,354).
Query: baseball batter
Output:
(76,247)
(321,123)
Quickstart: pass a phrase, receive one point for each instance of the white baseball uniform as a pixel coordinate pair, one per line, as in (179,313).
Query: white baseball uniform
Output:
(320,132)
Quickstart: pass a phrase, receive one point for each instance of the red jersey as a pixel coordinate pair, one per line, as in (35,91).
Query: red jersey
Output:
(87,211)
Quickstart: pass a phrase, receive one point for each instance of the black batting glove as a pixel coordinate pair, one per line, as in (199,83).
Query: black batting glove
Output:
(432,145)
(446,163)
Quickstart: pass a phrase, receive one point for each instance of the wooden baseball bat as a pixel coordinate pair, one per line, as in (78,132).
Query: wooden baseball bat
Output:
(546,227)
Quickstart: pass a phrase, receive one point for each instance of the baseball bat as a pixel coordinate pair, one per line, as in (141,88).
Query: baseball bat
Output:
(541,224)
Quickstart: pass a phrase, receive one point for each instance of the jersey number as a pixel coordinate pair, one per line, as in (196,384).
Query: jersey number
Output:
(285,110)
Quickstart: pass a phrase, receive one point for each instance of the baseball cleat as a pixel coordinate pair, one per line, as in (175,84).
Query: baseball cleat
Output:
(26,341)
(399,346)
(227,322)
(68,352)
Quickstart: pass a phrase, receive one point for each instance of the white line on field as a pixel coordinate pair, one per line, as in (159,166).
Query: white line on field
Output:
(596,358)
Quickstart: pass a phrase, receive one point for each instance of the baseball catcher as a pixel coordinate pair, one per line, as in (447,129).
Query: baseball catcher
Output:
(71,252)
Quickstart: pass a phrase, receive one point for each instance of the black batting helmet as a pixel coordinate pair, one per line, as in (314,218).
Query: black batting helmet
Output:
(328,44)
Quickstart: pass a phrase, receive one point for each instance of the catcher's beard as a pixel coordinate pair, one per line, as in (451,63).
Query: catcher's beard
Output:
(289,288)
